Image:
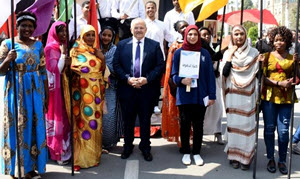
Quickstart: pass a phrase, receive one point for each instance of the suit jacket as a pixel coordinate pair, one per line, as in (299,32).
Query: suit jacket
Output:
(152,67)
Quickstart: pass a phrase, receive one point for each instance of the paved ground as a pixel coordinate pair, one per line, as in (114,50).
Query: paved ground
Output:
(167,162)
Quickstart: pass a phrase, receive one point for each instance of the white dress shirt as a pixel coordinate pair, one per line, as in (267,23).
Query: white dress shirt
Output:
(105,8)
(156,30)
(134,45)
(80,23)
(120,7)
(172,17)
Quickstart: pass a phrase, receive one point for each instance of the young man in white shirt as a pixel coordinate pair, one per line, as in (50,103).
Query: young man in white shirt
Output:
(106,18)
(121,10)
(175,15)
(82,20)
(156,30)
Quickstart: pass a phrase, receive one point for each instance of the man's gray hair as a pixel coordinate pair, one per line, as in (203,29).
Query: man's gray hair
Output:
(137,20)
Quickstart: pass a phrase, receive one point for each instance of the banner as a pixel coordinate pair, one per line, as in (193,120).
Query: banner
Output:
(209,7)
(189,5)
(93,19)
(62,10)
(43,10)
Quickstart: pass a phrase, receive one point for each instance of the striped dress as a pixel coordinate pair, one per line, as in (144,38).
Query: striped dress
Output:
(240,94)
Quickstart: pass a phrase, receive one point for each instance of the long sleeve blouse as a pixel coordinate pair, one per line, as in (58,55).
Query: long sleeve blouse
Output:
(206,85)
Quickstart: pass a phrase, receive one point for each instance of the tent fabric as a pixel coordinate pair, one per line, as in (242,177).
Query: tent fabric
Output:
(252,15)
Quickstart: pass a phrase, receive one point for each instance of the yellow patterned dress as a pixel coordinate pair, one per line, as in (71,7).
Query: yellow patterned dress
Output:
(87,100)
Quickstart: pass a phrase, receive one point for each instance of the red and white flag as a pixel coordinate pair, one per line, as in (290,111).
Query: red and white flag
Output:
(5,12)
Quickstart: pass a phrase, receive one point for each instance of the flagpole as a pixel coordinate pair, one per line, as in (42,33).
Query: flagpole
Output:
(70,90)
(57,7)
(8,32)
(98,10)
(258,101)
(242,12)
(222,31)
(15,88)
(294,93)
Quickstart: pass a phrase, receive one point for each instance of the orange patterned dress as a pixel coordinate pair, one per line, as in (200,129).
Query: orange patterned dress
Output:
(170,113)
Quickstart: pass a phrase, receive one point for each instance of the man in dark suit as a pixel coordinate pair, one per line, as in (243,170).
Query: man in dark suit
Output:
(138,63)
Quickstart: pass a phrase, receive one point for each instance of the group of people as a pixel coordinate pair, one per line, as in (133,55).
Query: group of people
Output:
(103,90)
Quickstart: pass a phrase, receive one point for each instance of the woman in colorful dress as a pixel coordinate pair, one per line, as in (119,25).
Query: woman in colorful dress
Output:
(32,98)
(88,65)
(110,136)
(277,96)
(170,114)
(57,123)
(240,95)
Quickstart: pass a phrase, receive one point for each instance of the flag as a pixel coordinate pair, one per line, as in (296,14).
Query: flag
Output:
(23,4)
(209,7)
(62,10)
(5,11)
(5,30)
(43,10)
(93,19)
(189,5)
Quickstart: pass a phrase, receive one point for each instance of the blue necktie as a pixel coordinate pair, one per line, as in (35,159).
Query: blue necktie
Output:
(137,72)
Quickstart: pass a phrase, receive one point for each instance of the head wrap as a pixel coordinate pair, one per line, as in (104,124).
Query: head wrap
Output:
(53,39)
(191,47)
(85,30)
(242,51)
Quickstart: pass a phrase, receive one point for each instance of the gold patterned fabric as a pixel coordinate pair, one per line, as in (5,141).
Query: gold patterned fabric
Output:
(87,100)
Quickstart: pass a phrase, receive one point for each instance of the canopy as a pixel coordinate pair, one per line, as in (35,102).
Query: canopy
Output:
(252,15)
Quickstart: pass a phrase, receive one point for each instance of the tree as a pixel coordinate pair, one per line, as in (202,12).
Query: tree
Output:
(248,25)
(248,4)
(293,16)
(253,34)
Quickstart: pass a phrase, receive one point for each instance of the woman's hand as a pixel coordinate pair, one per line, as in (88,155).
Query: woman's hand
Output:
(186,81)
(210,102)
(63,48)
(286,83)
(231,52)
(261,58)
(295,57)
(11,56)
(99,53)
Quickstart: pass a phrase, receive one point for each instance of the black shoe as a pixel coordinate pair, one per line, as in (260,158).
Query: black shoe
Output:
(282,168)
(148,156)
(271,167)
(126,154)
(245,167)
(235,164)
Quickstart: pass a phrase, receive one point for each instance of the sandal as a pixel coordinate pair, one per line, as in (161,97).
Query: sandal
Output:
(66,162)
(76,168)
(32,175)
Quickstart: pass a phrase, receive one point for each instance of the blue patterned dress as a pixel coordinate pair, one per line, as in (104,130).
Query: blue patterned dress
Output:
(111,121)
(30,74)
